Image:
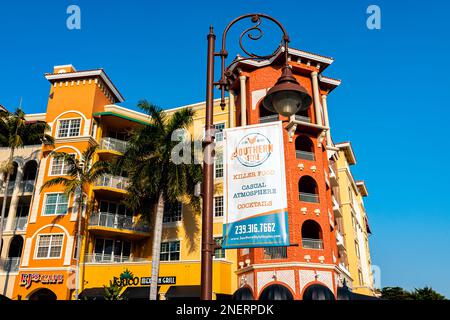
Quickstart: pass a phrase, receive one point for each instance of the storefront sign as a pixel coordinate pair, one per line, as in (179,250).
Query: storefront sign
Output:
(127,278)
(255,202)
(27,279)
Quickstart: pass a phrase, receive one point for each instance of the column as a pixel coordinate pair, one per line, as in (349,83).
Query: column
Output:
(15,198)
(327,121)
(232,110)
(243,94)
(316,97)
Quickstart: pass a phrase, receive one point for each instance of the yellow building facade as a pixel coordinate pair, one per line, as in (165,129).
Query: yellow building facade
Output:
(116,245)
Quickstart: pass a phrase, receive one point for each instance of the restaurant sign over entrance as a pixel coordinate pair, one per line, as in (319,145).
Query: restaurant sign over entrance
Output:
(127,278)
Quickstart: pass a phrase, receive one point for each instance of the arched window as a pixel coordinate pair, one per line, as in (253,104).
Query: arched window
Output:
(304,148)
(318,292)
(312,235)
(15,247)
(276,292)
(266,115)
(43,294)
(308,191)
(30,170)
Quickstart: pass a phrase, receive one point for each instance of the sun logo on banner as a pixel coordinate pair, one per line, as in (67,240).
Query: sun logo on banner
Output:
(253,150)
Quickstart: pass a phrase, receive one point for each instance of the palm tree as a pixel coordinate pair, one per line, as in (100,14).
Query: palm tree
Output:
(154,177)
(81,174)
(16,132)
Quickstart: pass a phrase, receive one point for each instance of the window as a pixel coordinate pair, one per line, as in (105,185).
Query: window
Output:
(56,204)
(218,206)
(218,163)
(49,246)
(170,251)
(172,212)
(360,276)
(304,148)
(312,235)
(69,128)
(357,248)
(219,253)
(108,250)
(60,167)
(219,131)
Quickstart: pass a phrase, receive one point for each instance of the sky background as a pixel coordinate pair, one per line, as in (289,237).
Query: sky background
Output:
(392,105)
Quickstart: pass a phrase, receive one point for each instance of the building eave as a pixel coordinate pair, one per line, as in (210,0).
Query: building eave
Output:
(52,77)
(348,151)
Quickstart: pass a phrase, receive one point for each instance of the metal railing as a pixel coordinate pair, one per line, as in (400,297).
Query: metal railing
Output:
(117,221)
(273,253)
(339,238)
(110,258)
(312,243)
(308,197)
(302,118)
(111,181)
(10,264)
(20,223)
(108,143)
(271,118)
(305,155)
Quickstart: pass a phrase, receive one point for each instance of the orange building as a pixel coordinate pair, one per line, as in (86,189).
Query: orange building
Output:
(310,267)
(47,266)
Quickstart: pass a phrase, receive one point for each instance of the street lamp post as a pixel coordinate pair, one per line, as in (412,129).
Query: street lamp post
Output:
(286,97)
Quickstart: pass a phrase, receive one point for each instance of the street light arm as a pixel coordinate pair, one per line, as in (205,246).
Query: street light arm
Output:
(256,19)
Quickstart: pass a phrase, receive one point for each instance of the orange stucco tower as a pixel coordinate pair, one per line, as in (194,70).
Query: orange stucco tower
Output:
(48,260)
(311,265)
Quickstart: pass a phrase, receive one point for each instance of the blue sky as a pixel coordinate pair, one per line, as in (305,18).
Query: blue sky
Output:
(392,104)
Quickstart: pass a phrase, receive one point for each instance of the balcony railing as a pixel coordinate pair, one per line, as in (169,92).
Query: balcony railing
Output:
(117,221)
(305,155)
(312,243)
(273,253)
(302,118)
(340,240)
(271,118)
(10,264)
(109,143)
(20,223)
(10,187)
(309,197)
(111,181)
(110,258)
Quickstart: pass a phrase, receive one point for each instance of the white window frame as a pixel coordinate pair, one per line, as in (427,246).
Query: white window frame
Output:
(169,252)
(215,166)
(45,205)
(36,247)
(68,129)
(214,207)
(221,132)
(223,250)
(113,248)
(50,174)
(178,221)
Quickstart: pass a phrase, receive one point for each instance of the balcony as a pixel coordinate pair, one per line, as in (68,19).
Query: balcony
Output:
(110,258)
(302,118)
(275,253)
(109,185)
(308,197)
(340,240)
(333,177)
(10,264)
(271,118)
(104,223)
(111,144)
(344,268)
(305,155)
(336,207)
(316,244)
(10,188)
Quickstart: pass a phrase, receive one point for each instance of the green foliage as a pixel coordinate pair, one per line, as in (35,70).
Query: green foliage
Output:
(148,162)
(397,293)
(112,292)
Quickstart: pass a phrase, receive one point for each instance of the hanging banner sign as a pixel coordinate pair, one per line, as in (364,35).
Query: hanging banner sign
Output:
(255,202)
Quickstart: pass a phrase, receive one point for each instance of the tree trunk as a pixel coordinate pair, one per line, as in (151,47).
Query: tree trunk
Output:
(5,199)
(77,270)
(156,249)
